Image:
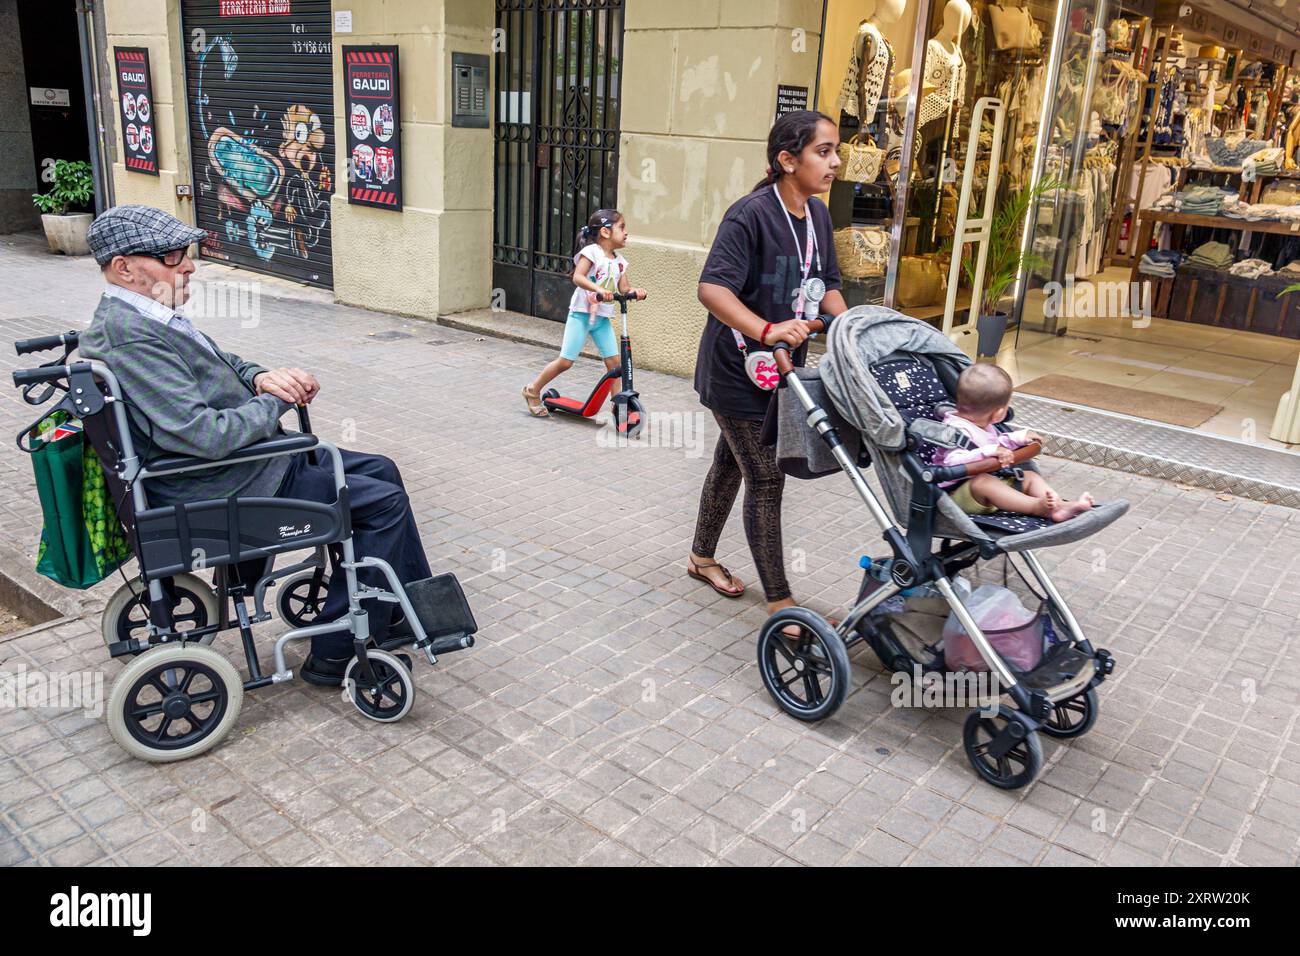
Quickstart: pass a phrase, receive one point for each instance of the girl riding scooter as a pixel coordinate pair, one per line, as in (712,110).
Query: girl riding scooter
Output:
(599,271)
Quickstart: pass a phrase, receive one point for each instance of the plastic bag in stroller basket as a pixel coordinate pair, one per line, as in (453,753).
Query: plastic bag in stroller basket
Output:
(1015,632)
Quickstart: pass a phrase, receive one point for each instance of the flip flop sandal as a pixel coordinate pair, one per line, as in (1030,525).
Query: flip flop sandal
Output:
(535,406)
(694,572)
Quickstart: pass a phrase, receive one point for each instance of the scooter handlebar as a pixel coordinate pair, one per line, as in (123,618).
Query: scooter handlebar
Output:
(781,350)
(625,296)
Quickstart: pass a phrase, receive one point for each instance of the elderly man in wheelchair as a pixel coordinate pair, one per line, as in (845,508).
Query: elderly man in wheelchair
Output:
(204,477)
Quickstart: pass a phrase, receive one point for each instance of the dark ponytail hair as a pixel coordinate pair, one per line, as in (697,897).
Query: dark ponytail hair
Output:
(600,219)
(790,134)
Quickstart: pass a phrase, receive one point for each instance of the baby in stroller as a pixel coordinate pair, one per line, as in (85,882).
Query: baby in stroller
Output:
(983,398)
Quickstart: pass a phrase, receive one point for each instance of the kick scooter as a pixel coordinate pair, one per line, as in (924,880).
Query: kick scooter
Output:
(629,414)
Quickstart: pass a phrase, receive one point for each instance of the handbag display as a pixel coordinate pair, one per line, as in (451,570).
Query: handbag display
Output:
(859,161)
(1014,28)
(862,251)
(920,282)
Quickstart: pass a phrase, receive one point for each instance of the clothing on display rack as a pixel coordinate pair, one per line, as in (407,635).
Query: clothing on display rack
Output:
(1161,263)
(1251,268)
(1233,150)
(1265,162)
(1216,255)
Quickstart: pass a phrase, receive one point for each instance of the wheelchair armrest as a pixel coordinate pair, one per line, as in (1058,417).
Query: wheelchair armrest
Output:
(267,448)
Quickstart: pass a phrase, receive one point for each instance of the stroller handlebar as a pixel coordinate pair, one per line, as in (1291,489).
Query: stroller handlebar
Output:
(781,350)
(937,473)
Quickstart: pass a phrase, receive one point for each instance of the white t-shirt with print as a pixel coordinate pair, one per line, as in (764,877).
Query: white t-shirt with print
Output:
(605,273)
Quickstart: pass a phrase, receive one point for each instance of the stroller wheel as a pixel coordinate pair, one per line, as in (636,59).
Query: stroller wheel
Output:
(174,701)
(302,596)
(808,675)
(1002,750)
(126,615)
(391,696)
(1073,717)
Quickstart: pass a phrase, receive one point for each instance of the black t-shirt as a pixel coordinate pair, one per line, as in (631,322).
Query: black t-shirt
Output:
(755,257)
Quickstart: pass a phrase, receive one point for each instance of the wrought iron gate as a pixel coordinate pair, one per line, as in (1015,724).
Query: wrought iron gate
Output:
(558,77)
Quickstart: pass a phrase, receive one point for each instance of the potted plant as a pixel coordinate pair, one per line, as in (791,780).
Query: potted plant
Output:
(1006,262)
(73,188)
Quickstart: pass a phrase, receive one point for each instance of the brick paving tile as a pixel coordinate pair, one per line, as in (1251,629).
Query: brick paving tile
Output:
(612,711)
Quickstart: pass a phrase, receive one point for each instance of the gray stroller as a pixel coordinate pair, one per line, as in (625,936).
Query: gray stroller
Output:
(879,397)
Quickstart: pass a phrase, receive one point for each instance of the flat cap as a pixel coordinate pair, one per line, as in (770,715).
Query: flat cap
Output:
(138,230)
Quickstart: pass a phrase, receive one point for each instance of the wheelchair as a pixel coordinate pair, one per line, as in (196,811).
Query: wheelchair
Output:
(178,697)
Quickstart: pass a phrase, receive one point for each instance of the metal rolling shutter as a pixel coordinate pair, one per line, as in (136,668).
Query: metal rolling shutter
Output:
(260,95)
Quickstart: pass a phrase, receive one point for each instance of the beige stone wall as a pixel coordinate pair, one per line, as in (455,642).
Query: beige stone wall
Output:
(155,25)
(699,96)
(434,256)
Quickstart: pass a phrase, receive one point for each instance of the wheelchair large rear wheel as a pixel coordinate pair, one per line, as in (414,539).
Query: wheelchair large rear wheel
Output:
(300,597)
(126,615)
(809,674)
(174,701)
(393,693)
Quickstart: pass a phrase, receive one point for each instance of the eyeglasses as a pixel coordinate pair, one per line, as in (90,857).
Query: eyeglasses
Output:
(172,257)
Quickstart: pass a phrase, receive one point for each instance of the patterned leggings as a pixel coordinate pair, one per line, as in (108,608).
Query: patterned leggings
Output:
(739,454)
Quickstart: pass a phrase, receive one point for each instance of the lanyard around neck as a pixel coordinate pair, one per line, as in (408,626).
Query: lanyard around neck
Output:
(810,247)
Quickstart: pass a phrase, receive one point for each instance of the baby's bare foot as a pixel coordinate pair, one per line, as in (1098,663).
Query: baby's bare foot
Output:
(1072,509)
(1088,498)
(1052,498)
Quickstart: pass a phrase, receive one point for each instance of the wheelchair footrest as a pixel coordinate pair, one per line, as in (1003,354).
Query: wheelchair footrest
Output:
(441,608)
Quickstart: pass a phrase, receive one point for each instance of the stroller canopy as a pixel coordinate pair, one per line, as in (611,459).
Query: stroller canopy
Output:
(858,339)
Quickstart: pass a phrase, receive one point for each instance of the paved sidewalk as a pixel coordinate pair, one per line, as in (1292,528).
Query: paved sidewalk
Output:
(612,711)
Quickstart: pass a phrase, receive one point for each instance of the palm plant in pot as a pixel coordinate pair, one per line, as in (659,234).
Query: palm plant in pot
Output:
(1007,261)
(73,188)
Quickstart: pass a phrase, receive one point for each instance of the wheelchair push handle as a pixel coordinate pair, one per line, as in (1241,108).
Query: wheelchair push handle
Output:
(46,373)
(781,350)
(41,343)
(304,419)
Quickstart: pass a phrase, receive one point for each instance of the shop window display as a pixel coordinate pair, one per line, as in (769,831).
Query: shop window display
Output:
(867,46)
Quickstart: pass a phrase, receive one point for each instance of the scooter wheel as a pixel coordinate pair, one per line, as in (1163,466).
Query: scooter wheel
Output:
(1020,761)
(635,419)
(808,675)
(550,393)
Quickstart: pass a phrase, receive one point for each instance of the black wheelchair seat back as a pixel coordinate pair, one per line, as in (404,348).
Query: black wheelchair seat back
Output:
(223,531)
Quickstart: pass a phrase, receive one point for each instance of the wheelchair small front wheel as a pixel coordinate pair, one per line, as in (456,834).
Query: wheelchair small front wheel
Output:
(392,694)
(174,701)
(126,615)
(803,663)
(300,597)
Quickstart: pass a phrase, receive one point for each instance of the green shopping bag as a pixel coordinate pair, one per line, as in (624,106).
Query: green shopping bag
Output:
(82,541)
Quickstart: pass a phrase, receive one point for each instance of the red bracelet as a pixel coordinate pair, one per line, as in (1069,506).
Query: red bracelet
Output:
(762,339)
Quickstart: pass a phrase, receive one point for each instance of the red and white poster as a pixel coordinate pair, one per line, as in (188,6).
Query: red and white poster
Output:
(135,106)
(374,128)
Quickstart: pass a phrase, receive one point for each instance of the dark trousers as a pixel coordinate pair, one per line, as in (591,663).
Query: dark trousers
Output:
(741,454)
(382,527)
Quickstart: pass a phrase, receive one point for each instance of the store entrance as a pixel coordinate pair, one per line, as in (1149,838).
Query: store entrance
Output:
(47,107)
(556,143)
(1162,290)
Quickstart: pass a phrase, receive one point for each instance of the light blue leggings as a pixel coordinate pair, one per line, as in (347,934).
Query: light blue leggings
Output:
(575,334)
